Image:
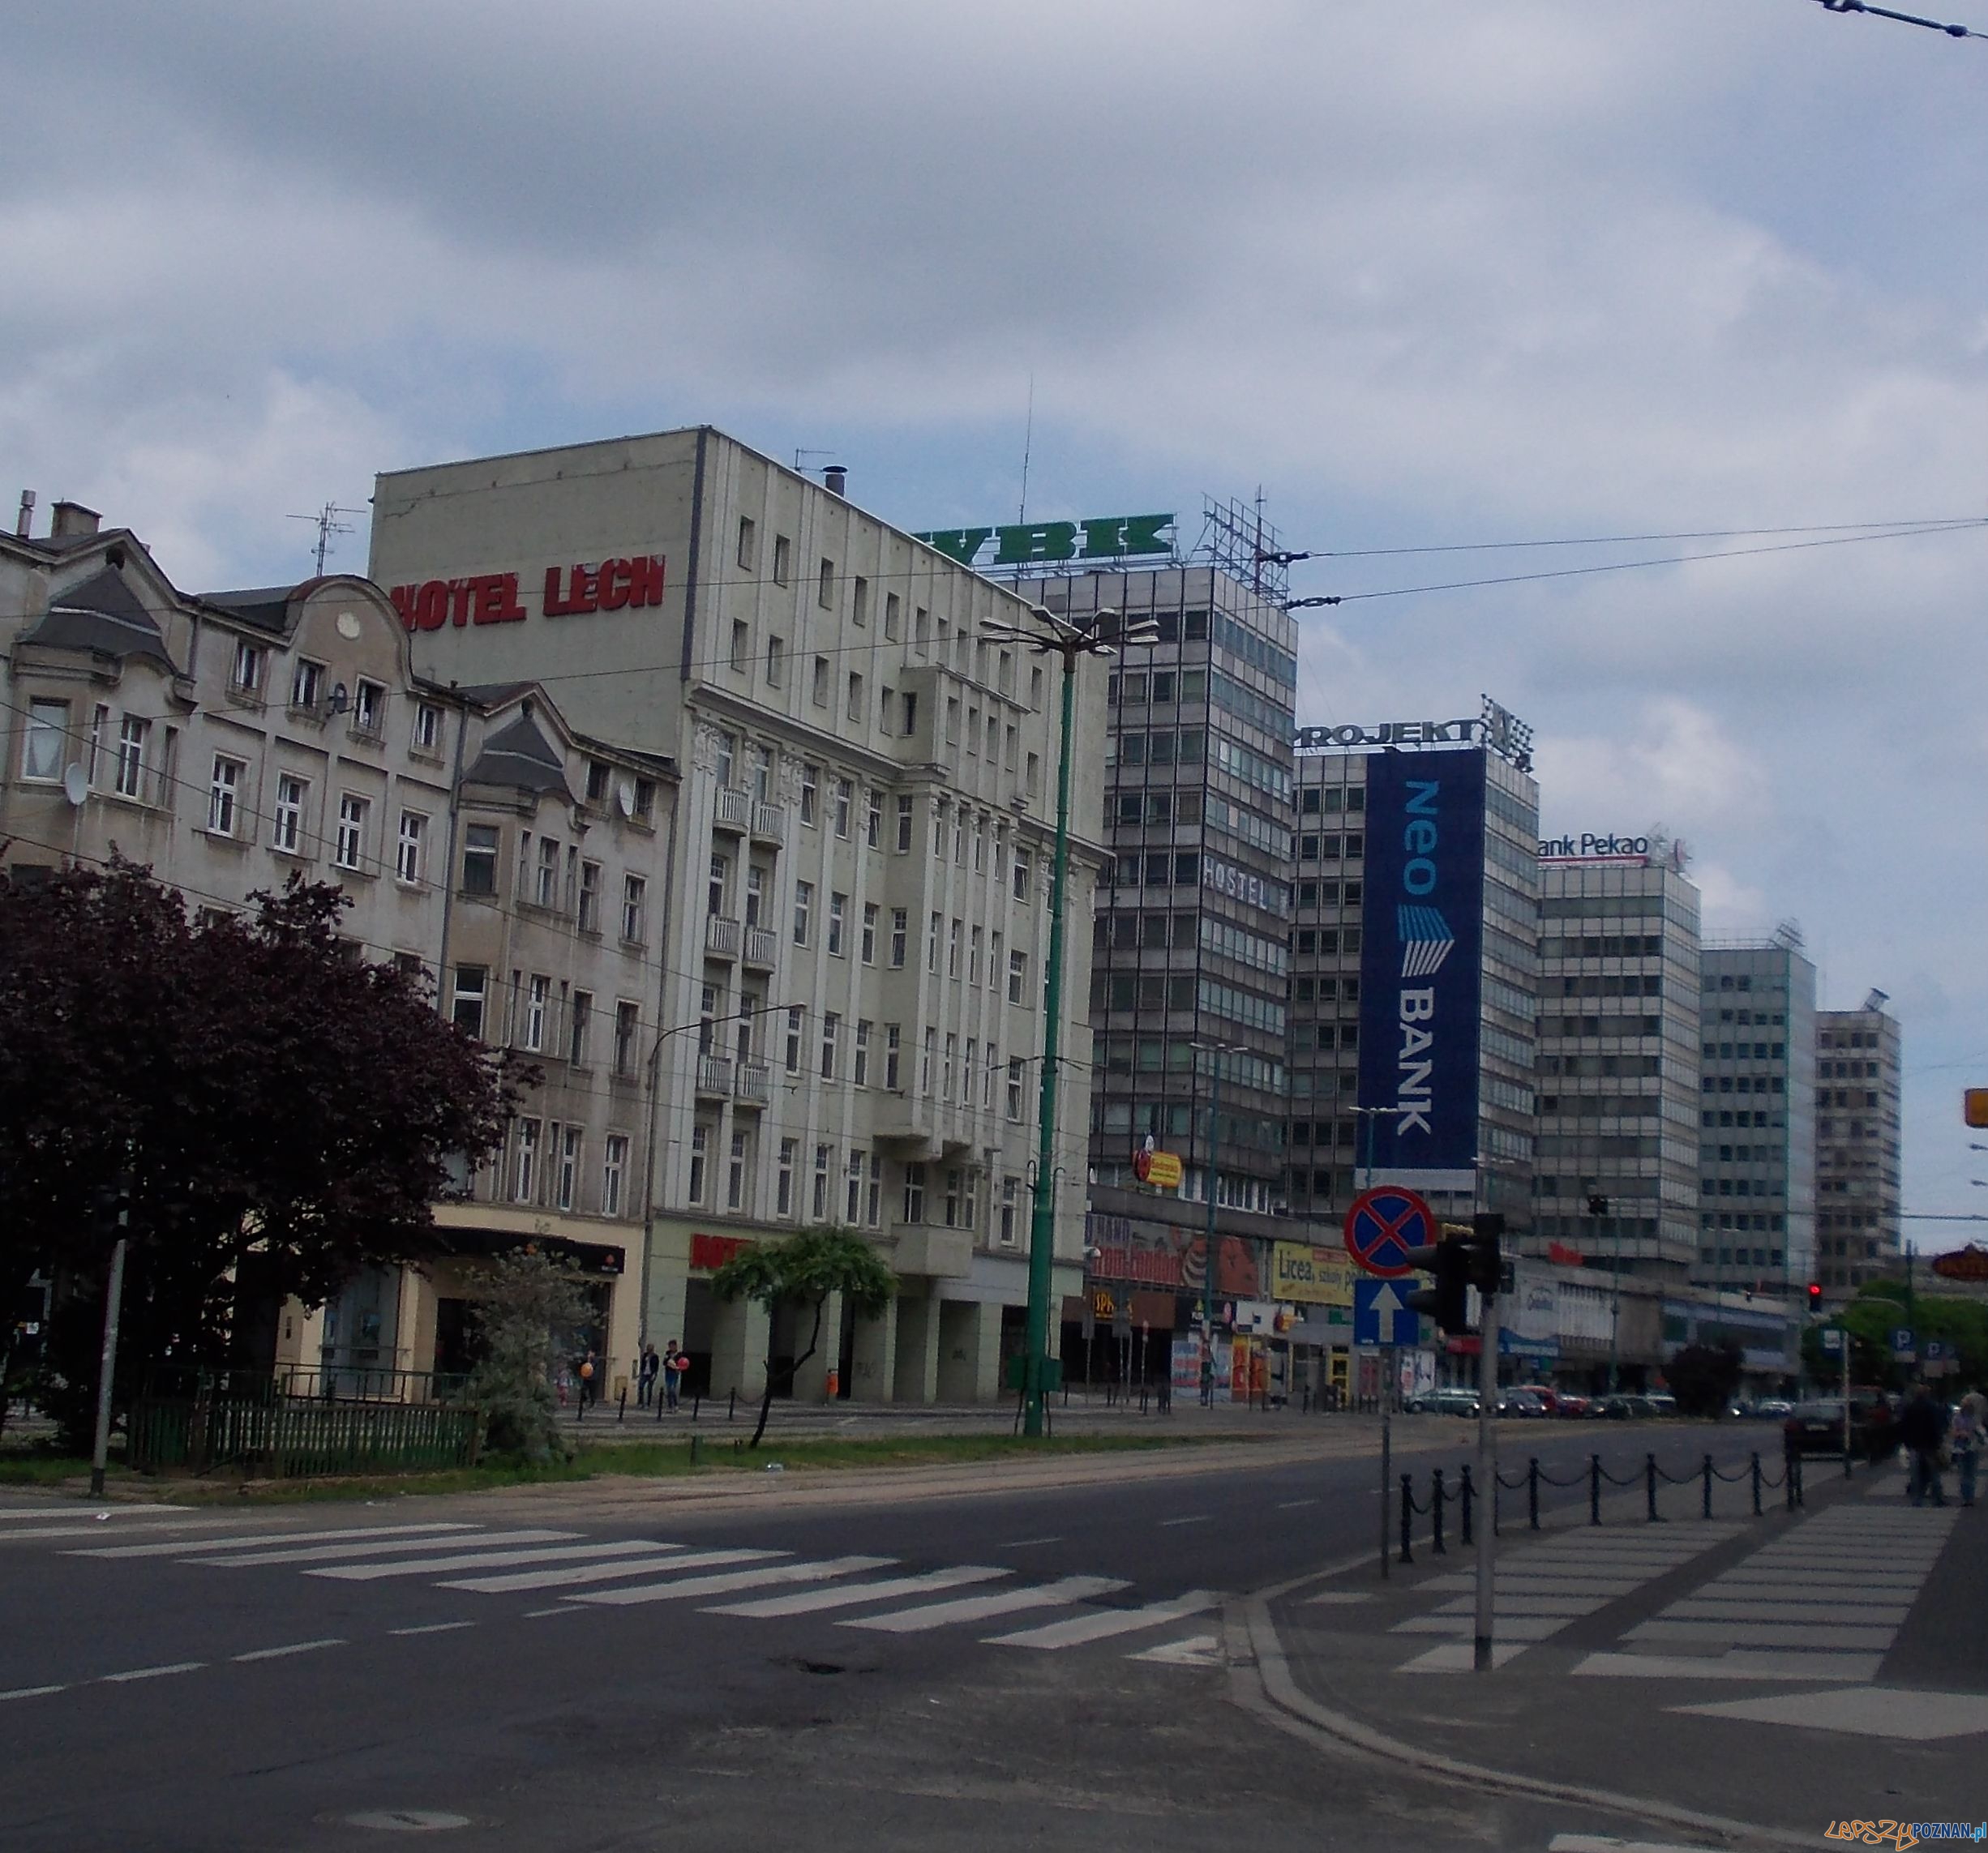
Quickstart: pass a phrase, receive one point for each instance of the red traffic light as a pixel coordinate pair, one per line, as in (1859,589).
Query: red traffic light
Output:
(1816,1292)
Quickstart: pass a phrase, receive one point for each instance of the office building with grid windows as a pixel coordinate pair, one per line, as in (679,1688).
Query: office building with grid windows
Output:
(1756,1119)
(1859,1057)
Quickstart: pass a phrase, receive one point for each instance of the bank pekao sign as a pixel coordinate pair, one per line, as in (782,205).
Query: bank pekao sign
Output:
(1054,543)
(1606,846)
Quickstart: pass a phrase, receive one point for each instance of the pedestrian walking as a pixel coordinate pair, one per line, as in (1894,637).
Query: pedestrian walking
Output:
(1922,1429)
(589,1373)
(1966,1435)
(645,1371)
(674,1364)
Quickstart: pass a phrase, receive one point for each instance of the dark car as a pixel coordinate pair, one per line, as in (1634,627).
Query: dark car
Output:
(1817,1427)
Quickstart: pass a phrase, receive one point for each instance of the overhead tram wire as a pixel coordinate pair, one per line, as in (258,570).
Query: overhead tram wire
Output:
(1933,523)
(1903,19)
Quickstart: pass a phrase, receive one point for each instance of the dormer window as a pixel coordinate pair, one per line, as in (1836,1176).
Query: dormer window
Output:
(246,677)
(369,708)
(307,684)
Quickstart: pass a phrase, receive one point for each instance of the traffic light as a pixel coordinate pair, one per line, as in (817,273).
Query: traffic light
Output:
(1597,1204)
(1487,1262)
(1446,1300)
(1815,1296)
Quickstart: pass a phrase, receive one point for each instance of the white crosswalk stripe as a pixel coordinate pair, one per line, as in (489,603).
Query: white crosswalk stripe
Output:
(1106,1623)
(333,1553)
(206,1547)
(1823,1602)
(685,1587)
(811,1602)
(477,1559)
(981,1608)
(570,1575)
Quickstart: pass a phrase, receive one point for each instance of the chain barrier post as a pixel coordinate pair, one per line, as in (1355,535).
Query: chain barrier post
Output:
(1533,1492)
(1649,1480)
(1756,1482)
(1594,1489)
(1408,1518)
(1465,1492)
(1707,1513)
(1437,1547)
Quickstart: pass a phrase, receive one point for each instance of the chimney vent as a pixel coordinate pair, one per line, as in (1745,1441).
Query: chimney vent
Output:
(835,479)
(24,523)
(73,521)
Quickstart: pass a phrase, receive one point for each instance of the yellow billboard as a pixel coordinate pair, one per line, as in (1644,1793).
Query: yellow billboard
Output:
(1317,1277)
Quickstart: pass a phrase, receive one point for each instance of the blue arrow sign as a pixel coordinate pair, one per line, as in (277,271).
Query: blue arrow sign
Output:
(1381,1315)
(1904,1344)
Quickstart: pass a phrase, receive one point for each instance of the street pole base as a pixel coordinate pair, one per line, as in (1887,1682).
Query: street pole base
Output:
(1481,1656)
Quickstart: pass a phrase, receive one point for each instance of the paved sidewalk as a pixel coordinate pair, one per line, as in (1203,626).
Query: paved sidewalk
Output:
(1785,1671)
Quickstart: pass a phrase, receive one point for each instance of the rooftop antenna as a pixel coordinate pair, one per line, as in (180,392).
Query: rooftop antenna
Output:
(1028,444)
(800,460)
(328,524)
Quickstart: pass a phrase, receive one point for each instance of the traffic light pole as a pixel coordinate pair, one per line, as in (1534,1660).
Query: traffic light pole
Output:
(1487,1474)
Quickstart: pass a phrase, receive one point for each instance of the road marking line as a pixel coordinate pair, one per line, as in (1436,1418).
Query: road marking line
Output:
(981,1608)
(1762,1634)
(262,1537)
(1080,1628)
(575,1573)
(284,1652)
(1193,1518)
(1196,1651)
(808,1600)
(1608,1843)
(150,1672)
(67,1514)
(557,1608)
(1859,1669)
(31,1692)
(477,1559)
(685,1586)
(1024,1543)
(1294,1504)
(432,1627)
(331,1553)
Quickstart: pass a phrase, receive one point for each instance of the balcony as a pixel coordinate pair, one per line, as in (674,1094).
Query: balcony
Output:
(721,937)
(761,945)
(714,1076)
(936,1253)
(753,1084)
(769,824)
(732,808)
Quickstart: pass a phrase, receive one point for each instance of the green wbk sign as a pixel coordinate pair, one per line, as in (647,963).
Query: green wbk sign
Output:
(1050,543)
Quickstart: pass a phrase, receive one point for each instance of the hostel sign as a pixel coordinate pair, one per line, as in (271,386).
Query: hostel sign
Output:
(1056,543)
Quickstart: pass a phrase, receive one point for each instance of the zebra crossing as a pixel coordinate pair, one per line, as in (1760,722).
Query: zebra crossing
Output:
(872,1594)
(1825,1602)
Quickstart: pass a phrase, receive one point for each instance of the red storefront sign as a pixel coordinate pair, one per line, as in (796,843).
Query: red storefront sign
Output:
(492,597)
(708,1253)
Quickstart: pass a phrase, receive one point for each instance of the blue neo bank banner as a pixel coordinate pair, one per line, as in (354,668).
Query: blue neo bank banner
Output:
(1421,960)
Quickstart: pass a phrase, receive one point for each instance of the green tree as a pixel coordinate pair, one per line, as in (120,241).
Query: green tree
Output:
(1704,1377)
(527,1305)
(805,1270)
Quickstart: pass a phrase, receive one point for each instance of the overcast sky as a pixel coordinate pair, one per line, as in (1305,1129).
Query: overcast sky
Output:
(1427,273)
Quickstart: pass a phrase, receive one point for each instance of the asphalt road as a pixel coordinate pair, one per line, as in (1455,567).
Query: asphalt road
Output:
(200,1690)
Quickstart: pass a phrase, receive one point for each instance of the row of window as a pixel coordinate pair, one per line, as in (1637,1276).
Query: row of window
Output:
(1745,1052)
(553,876)
(1273,718)
(1848,1071)
(1604,945)
(528,1014)
(1330,800)
(547,1166)
(1327,942)
(1332,847)
(1162,688)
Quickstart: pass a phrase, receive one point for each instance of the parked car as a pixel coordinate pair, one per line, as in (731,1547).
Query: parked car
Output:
(1462,1402)
(1570,1403)
(1816,1427)
(1661,1403)
(1549,1397)
(1773,1409)
(1521,1403)
(1627,1408)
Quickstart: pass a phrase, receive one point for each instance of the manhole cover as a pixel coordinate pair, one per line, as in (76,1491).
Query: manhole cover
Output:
(407,1819)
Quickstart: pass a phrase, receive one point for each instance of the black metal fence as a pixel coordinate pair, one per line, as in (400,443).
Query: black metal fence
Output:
(288,1438)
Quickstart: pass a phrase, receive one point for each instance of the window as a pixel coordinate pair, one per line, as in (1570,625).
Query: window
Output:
(870,912)
(811,780)
(407,858)
(783,1178)
(1022,875)
(893,616)
(287,826)
(873,1208)
(904,824)
(596,782)
(589,898)
(907,716)
(613,1169)
(818,690)
(872,818)
(479,859)
(1018,977)
(48,728)
(634,909)
(727,756)
(627,1021)
(351,842)
(838,906)
(955,1205)
(795,1014)
(131,737)
(546,889)
(783,559)
(973,957)
(824,590)
(845,803)
(220,796)
(645,801)
(860,1070)
(945,1071)
(466,1007)
(852,1200)
(921,627)
(951,949)
(741,645)
(803,906)
(859,616)
(699,1150)
(716,884)
(988,1076)
(427,735)
(735,1172)
(569,1167)
(536,996)
(776,662)
(995,967)
(577,1029)
(1015,1070)
(822,1156)
(856,697)
(1035,779)
(831,1029)
(913,1193)
(900,930)
(524,1172)
(931,944)
(369,709)
(1010,1200)
(307,683)
(893,1041)
(748,542)
(246,677)
(966,1071)
(928,1053)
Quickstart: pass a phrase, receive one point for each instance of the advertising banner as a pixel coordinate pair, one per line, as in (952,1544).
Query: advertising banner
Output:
(1308,1276)
(1421,958)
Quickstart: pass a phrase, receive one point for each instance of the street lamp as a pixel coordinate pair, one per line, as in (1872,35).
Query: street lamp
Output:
(1100,634)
